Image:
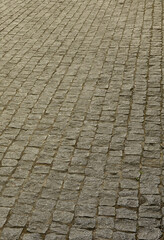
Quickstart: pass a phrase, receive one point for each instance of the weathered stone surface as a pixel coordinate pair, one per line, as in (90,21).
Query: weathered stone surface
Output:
(125,225)
(86,223)
(103,233)
(149,233)
(123,236)
(77,234)
(11,233)
(32,236)
(62,216)
(81,119)
(126,214)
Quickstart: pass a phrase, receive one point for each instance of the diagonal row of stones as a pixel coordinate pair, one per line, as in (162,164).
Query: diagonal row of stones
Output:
(81,120)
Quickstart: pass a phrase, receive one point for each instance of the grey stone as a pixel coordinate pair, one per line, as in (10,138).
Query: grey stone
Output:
(147,222)
(85,210)
(17,220)
(105,222)
(85,223)
(103,233)
(128,202)
(106,211)
(59,228)
(32,236)
(126,225)
(126,214)
(123,236)
(11,233)
(53,236)
(149,233)
(149,211)
(63,217)
(80,234)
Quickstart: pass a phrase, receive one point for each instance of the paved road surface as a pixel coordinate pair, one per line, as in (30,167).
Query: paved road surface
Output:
(81,120)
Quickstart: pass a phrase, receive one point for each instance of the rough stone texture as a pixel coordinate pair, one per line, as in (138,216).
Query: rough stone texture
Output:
(81,120)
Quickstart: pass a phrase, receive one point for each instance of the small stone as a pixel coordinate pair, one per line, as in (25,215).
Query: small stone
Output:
(53,236)
(126,213)
(32,236)
(85,210)
(105,222)
(149,233)
(79,234)
(149,211)
(126,225)
(128,202)
(103,233)
(106,211)
(146,222)
(63,217)
(84,222)
(123,236)
(59,228)
(11,233)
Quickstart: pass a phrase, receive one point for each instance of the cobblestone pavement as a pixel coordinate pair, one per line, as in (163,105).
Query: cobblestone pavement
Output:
(81,120)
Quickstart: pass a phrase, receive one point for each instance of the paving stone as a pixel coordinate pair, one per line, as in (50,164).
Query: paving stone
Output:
(80,234)
(150,200)
(11,233)
(105,221)
(126,213)
(106,211)
(146,222)
(53,236)
(64,217)
(31,236)
(39,222)
(103,233)
(59,228)
(7,201)
(125,225)
(85,223)
(85,210)
(128,202)
(149,233)
(149,212)
(16,220)
(123,236)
